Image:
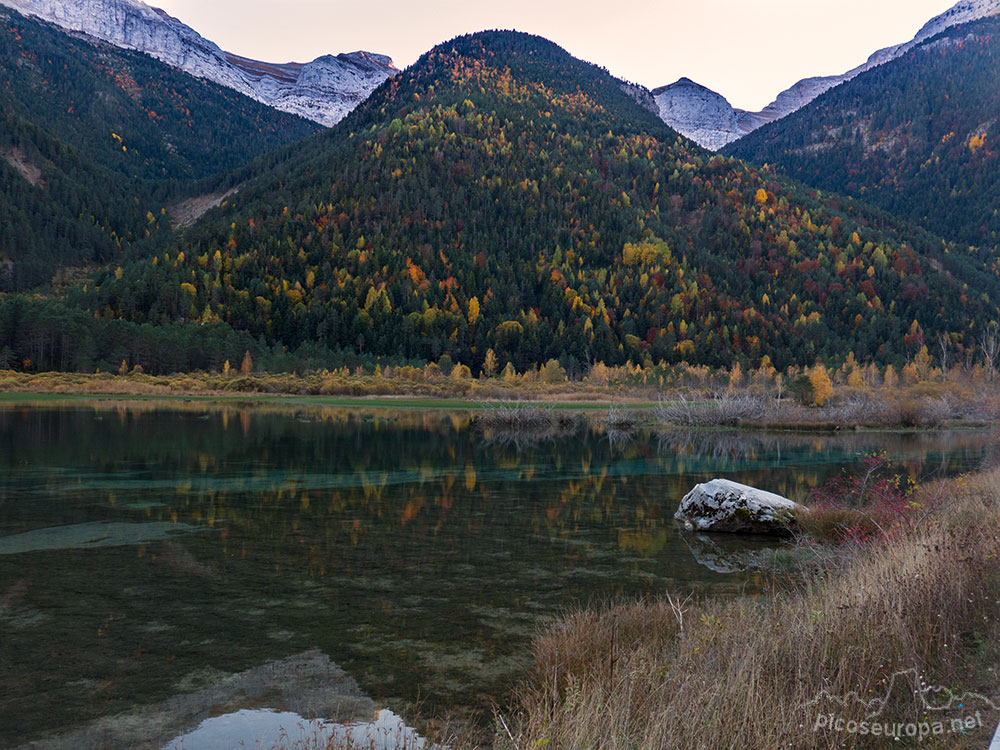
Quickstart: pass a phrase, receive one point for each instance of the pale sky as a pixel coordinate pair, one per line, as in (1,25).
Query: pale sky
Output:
(747,50)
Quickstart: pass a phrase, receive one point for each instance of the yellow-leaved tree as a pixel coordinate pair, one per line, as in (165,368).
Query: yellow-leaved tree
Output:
(821,384)
(490,363)
(735,377)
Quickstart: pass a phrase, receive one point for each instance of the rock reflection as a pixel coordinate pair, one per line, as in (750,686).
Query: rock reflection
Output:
(735,555)
(266,729)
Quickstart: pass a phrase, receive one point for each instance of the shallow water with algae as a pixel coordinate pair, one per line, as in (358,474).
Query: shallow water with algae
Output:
(151,552)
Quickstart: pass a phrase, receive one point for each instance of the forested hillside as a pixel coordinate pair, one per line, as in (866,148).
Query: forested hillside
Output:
(917,136)
(501,194)
(95,140)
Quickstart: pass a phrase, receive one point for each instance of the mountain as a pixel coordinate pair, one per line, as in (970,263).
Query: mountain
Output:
(323,90)
(918,136)
(96,140)
(698,112)
(500,194)
(715,124)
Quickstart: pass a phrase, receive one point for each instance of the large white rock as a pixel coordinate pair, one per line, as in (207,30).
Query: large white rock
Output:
(722,505)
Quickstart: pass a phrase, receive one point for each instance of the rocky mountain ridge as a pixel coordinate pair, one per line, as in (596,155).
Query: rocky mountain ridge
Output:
(698,112)
(915,137)
(709,119)
(323,90)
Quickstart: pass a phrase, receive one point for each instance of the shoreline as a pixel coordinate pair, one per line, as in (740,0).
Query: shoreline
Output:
(645,409)
(299,400)
(642,412)
(896,626)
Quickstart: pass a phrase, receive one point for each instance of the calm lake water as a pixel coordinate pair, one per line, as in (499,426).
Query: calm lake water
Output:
(162,564)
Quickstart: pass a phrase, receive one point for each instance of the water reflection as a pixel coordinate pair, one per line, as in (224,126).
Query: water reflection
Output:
(264,729)
(404,546)
(93,535)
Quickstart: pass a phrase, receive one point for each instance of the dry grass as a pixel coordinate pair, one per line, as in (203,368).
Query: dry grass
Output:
(725,409)
(830,524)
(522,425)
(316,384)
(923,405)
(913,407)
(517,417)
(741,674)
(620,420)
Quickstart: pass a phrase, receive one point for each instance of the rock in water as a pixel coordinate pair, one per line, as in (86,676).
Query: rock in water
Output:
(722,505)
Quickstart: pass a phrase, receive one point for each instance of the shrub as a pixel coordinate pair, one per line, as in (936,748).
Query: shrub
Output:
(726,409)
(862,507)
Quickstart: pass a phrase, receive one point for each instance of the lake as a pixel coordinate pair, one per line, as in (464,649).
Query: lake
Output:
(162,563)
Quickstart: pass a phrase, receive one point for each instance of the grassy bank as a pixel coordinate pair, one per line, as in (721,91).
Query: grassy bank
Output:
(748,673)
(341,388)
(920,405)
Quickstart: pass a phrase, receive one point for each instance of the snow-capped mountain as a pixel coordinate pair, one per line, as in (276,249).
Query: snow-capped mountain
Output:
(698,112)
(707,117)
(324,90)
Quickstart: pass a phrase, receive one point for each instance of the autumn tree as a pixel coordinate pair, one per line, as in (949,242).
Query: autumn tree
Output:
(247,367)
(553,372)
(891,379)
(922,363)
(822,386)
(735,377)
(490,364)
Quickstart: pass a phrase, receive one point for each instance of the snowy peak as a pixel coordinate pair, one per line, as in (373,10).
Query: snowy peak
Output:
(962,12)
(808,89)
(698,113)
(324,90)
(704,116)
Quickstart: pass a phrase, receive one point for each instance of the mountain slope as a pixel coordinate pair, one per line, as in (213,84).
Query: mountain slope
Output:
(323,90)
(715,127)
(94,141)
(501,194)
(917,137)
